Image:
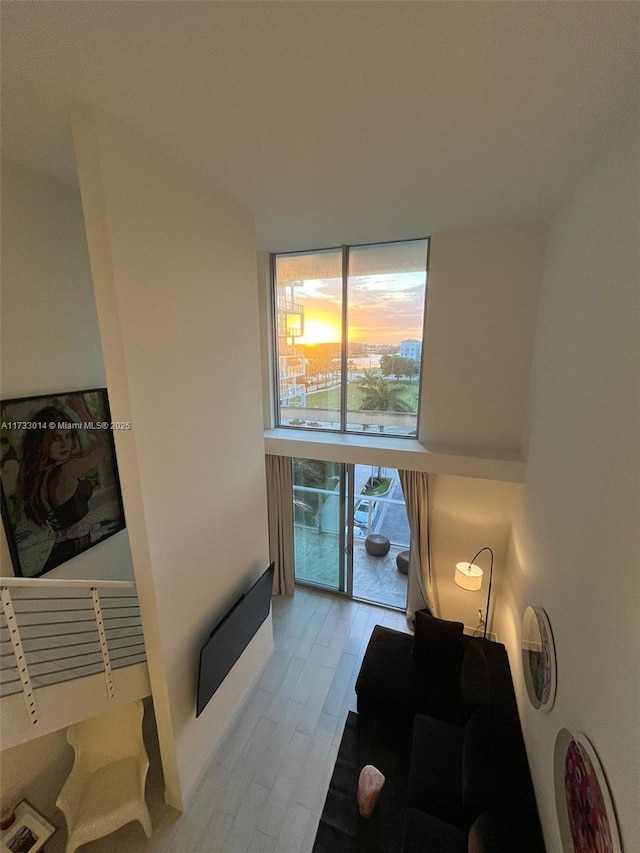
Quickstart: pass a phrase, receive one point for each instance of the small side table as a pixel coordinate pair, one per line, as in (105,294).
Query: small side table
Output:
(377,545)
(29,832)
(402,562)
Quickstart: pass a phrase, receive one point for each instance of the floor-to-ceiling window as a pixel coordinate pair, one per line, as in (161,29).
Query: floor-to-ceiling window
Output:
(348,337)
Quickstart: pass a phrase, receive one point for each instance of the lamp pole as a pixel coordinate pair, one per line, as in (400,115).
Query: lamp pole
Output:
(486,617)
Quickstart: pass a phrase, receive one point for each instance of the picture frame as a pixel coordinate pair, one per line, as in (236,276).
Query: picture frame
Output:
(59,477)
(539,658)
(28,833)
(586,815)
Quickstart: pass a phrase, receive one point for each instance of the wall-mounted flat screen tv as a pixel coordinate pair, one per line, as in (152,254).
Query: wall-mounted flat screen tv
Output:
(231,637)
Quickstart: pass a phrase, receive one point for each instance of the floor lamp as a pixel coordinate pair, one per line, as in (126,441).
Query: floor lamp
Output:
(469,576)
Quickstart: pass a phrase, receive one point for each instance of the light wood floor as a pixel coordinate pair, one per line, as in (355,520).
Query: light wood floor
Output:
(265,789)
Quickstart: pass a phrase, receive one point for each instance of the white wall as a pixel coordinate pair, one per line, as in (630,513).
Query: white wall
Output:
(49,342)
(49,330)
(50,338)
(481,312)
(174,267)
(576,541)
(482,301)
(483,292)
(468,514)
(484,285)
(36,770)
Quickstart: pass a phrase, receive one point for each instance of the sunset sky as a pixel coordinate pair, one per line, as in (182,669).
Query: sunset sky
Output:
(383,309)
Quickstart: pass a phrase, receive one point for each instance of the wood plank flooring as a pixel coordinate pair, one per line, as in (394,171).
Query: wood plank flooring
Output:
(265,789)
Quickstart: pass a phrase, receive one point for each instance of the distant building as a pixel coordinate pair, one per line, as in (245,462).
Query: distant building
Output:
(411,349)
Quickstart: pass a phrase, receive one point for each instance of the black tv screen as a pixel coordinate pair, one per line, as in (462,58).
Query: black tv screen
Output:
(231,637)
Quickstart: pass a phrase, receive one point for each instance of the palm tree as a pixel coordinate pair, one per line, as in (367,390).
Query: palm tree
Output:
(381,395)
(304,514)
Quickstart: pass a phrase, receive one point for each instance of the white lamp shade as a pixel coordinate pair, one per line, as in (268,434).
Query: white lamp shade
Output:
(468,576)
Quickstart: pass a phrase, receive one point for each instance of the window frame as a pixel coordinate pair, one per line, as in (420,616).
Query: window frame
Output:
(344,343)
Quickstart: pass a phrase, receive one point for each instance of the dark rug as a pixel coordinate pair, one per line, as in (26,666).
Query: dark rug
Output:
(341,829)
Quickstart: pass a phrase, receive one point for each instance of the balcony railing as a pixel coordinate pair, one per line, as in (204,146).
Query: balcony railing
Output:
(285,372)
(60,630)
(360,420)
(285,304)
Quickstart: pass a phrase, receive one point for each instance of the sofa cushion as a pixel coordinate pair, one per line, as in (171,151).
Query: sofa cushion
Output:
(437,643)
(393,686)
(424,833)
(341,829)
(501,830)
(479,790)
(475,685)
(435,770)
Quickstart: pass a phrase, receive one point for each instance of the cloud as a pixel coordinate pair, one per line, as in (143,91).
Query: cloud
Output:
(320,288)
(385,308)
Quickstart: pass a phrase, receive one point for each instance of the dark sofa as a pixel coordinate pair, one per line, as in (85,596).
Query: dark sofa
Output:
(437,715)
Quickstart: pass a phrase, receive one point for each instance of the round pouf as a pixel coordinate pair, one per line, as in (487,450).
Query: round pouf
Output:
(377,545)
(402,562)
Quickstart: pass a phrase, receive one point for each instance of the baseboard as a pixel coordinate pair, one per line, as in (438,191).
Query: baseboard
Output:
(477,632)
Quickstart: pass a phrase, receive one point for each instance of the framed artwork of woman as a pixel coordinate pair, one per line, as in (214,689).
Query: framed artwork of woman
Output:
(60,486)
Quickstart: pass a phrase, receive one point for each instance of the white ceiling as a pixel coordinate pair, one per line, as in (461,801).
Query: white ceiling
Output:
(335,121)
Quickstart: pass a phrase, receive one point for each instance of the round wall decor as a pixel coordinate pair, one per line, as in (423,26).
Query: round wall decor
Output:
(585,811)
(538,658)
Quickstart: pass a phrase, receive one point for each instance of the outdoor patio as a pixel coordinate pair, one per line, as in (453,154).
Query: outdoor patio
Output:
(375,579)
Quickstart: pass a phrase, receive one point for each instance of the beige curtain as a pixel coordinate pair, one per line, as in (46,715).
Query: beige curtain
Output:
(280,507)
(422,588)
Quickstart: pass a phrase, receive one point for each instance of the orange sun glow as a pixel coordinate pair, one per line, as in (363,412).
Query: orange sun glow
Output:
(319,332)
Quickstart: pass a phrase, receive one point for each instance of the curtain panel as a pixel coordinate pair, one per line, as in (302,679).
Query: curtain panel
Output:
(280,508)
(422,587)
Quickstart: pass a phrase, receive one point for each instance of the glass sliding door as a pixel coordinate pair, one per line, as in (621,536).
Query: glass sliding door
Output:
(319,535)
(336,506)
(379,509)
